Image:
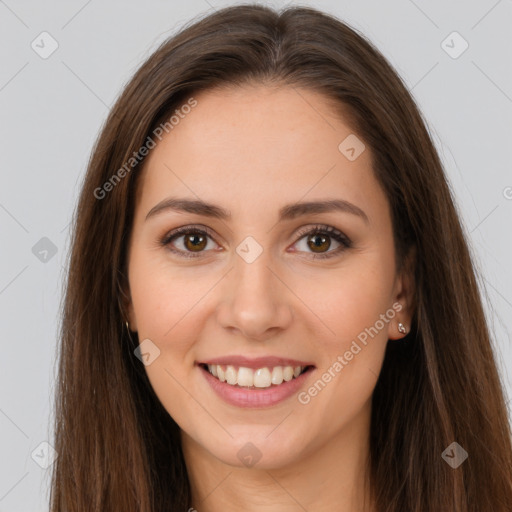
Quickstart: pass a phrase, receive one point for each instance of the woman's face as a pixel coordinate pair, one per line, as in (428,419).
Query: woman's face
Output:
(252,286)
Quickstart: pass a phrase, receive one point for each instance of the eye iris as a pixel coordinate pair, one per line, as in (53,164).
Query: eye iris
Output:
(198,242)
(316,237)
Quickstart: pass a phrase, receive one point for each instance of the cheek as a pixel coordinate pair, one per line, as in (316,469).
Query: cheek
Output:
(166,304)
(163,295)
(354,311)
(169,304)
(349,299)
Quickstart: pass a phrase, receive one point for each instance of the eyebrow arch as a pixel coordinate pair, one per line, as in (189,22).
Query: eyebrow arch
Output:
(287,212)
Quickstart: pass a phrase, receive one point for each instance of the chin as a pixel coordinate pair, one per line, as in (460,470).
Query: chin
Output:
(257,449)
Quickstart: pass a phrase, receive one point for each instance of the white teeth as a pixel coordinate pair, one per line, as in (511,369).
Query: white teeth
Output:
(287,373)
(245,376)
(231,375)
(277,375)
(260,378)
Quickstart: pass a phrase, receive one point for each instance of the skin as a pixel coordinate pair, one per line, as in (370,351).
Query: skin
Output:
(252,150)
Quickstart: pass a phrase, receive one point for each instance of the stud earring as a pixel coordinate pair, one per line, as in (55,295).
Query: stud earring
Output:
(127,326)
(401,328)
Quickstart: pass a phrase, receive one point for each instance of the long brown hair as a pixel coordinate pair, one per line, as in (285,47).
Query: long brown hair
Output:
(118,448)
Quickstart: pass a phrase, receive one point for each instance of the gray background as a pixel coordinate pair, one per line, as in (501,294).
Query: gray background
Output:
(52,109)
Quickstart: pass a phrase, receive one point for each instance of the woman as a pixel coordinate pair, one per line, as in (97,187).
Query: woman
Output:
(271,304)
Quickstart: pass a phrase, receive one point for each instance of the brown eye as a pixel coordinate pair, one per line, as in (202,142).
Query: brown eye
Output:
(191,242)
(188,241)
(318,243)
(195,242)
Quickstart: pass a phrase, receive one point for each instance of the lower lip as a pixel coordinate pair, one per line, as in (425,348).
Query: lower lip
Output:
(254,397)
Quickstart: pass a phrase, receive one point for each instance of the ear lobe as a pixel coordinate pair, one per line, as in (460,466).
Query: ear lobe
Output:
(405,296)
(130,317)
(126,306)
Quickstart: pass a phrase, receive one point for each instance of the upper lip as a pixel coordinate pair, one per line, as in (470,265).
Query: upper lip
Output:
(257,362)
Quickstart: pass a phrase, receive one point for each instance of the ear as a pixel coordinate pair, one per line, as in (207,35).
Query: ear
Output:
(130,316)
(404,297)
(126,305)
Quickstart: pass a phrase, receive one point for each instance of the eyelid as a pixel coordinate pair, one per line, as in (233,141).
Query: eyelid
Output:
(183,230)
(322,228)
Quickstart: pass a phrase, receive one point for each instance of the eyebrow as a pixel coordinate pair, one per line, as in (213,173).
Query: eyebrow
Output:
(287,212)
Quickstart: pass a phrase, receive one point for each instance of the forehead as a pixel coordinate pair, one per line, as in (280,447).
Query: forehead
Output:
(256,145)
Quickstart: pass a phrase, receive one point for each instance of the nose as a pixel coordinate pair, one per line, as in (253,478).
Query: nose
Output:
(255,302)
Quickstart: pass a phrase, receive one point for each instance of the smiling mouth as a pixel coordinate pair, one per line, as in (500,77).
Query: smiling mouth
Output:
(260,378)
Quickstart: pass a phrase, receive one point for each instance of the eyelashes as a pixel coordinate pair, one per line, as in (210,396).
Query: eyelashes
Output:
(330,232)
(203,234)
